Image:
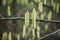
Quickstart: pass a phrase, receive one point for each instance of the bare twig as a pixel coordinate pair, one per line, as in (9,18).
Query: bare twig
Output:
(50,34)
(16,18)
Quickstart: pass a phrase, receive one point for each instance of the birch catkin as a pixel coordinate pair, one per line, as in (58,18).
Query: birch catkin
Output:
(50,15)
(9,36)
(34,18)
(40,6)
(24,31)
(4,36)
(46,27)
(9,12)
(45,1)
(18,37)
(52,2)
(43,16)
(33,34)
(54,6)
(57,8)
(27,19)
(38,32)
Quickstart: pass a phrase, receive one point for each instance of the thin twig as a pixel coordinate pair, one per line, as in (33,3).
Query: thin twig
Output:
(16,18)
(50,34)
